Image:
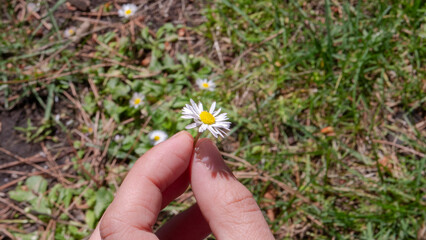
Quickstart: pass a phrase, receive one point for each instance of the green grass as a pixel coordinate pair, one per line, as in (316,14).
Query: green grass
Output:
(285,72)
(345,66)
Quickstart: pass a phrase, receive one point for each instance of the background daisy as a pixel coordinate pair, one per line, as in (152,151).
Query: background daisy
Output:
(69,32)
(157,136)
(118,138)
(206,84)
(127,10)
(137,100)
(33,7)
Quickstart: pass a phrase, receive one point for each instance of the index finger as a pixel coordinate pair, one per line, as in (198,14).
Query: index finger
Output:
(135,208)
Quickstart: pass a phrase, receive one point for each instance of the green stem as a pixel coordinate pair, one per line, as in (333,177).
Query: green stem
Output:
(196,138)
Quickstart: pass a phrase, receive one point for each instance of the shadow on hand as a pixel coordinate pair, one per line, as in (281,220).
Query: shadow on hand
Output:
(207,153)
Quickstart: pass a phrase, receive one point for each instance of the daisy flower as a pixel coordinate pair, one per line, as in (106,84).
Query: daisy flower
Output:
(127,10)
(69,32)
(206,84)
(213,121)
(157,136)
(33,7)
(118,138)
(137,100)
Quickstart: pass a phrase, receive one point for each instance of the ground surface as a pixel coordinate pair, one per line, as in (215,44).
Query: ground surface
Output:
(327,103)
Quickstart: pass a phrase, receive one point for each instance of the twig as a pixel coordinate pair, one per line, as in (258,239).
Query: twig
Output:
(110,49)
(115,62)
(29,215)
(137,139)
(27,175)
(266,177)
(91,20)
(54,165)
(238,59)
(7,233)
(239,160)
(218,51)
(401,147)
(23,160)
(11,183)
(57,76)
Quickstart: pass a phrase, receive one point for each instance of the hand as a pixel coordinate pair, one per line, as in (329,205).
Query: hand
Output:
(224,206)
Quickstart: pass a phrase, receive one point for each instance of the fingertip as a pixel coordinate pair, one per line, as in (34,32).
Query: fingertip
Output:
(228,206)
(179,145)
(184,135)
(206,153)
(154,180)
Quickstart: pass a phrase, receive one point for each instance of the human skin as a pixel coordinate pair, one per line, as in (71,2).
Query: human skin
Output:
(224,206)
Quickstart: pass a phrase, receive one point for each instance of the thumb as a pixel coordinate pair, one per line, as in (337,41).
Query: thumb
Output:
(227,205)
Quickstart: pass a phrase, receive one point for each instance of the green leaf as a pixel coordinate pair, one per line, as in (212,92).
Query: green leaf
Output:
(29,236)
(120,90)
(90,219)
(67,196)
(180,102)
(89,104)
(76,233)
(113,110)
(37,184)
(90,197)
(41,205)
(103,199)
(53,193)
(21,195)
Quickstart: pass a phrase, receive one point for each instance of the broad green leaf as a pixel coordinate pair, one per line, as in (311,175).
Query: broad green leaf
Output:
(103,199)
(37,184)
(21,195)
(41,205)
(90,219)
(120,90)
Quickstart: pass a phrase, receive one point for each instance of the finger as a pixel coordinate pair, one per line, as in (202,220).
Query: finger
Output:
(138,201)
(171,193)
(96,235)
(187,225)
(226,204)
(175,189)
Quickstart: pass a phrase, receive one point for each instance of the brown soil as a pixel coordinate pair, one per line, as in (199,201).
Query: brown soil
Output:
(155,14)
(14,142)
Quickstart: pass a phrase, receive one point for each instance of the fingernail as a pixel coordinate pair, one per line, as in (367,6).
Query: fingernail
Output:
(178,134)
(206,153)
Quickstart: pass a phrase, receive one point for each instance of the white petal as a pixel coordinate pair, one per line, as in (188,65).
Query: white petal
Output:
(190,126)
(187,117)
(196,110)
(200,107)
(217,112)
(188,110)
(221,117)
(222,133)
(192,102)
(203,127)
(212,107)
(213,132)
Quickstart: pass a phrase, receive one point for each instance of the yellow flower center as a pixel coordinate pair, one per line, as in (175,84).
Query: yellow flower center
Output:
(90,130)
(156,138)
(128,12)
(207,118)
(70,32)
(137,101)
(205,85)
